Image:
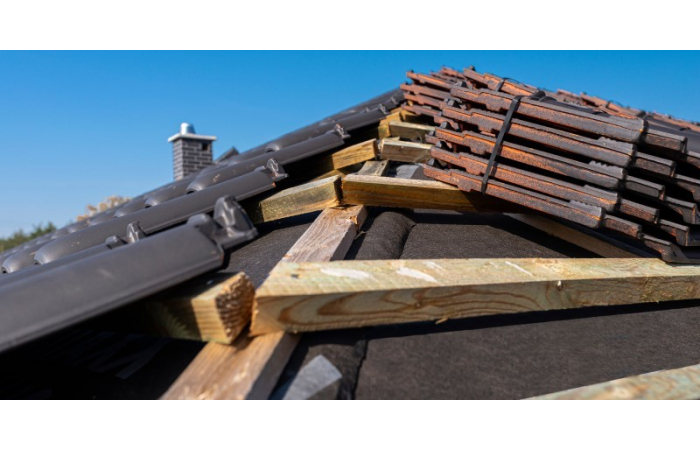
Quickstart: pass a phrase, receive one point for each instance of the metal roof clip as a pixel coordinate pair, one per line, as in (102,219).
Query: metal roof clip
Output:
(340,131)
(134,232)
(113,242)
(276,170)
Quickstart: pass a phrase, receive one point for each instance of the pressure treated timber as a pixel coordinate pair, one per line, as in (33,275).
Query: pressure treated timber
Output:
(346,157)
(297,200)
(234,372)
(397,115)
(374,168)
(409,131)
(300,297)
(215,309)
(425,194)
(673,384)
(250,368)
(568,234)
(403,151)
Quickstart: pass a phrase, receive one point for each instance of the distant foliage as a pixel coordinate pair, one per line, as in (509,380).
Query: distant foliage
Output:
(104,205)
(21,236)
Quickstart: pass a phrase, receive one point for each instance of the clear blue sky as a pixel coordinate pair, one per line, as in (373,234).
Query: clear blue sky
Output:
(77,127)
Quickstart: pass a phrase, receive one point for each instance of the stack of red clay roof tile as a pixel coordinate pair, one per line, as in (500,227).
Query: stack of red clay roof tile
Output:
(576,157)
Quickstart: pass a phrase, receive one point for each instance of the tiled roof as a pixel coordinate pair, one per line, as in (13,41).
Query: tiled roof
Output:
(585,161)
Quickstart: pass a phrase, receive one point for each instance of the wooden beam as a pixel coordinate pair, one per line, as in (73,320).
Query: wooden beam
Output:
(568,234)
(336,173)
(403,151)
(397,115)
(299,297)
(330,236)
(409,131)
(346,157)
(674,384)
(302,199)
(215,309)
(250,368)
(424,194)
(374,168)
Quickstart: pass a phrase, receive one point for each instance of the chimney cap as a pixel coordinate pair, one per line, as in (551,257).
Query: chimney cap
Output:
(187,132)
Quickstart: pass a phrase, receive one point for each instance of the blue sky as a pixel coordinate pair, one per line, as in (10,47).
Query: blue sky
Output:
(77,127)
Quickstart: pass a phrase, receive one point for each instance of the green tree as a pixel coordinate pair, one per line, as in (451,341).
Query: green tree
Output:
(20,237)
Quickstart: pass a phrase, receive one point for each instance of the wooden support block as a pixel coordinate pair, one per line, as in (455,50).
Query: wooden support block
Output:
(250,368)
(215,309)
(346,157)
(568,234)
(246,370)
(397,115)
(403,151)
(424,194)
(299,297)
(302,199)
(409,131)
(374,168)
(674,384)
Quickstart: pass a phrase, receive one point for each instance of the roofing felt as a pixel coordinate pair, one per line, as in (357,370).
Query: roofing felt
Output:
(514,356)
(195,227)
(88,268)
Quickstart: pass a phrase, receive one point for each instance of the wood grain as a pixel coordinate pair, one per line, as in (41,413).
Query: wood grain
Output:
(330,236)
(346,157)
(299,297)
(409,131)
(216,308)
(403,151)
(374,168)
(297,200)
(250,368)
(674,384)
(397,115)
(568,234)
(424,194)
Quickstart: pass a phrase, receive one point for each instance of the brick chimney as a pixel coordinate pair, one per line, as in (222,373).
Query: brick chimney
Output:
(191,152)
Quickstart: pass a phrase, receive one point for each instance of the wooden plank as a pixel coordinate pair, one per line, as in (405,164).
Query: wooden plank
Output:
(397,115)
(674,384)
(215,309)
(330,236)
(568,234)
(339,172)
(403,151)
(409,131)
(302,199)
(374,168)
(299,297)
(250,368)
(346,157)
(424,194)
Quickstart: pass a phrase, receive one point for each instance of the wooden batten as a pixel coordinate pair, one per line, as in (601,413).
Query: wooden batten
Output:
(397,115)
(300,297)
(674,384)
(403,151)
(302,199)
(216,308)
(349,156)
(409,131)
(423,194)
(374,168)
(250,368)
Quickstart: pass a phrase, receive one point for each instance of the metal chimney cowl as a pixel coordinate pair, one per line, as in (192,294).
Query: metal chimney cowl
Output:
(191,151)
